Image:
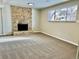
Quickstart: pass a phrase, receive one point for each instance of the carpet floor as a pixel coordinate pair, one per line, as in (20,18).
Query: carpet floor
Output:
(36,46)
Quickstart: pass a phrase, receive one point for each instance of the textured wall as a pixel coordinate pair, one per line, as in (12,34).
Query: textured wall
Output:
(21,15)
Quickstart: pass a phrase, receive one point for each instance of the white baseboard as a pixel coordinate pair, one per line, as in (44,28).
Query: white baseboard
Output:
(61,39)
(36,31)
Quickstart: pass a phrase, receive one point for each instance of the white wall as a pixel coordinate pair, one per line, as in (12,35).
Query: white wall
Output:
(62,30)
(35,20)
(6,16)
(0,21)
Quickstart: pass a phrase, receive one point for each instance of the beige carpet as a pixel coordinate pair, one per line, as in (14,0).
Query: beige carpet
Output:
(37,46)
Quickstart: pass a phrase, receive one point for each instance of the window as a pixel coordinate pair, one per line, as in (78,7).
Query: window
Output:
(64,14)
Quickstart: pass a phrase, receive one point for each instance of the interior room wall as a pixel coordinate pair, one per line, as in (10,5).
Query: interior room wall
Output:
(5,22)
(0,21)
(6,18)
(0,1)
(35,20)
(66,31)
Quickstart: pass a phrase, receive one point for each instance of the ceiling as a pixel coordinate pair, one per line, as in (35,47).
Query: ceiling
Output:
(36,3)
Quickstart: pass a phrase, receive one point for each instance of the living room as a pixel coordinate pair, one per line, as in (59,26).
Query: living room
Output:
(28,23)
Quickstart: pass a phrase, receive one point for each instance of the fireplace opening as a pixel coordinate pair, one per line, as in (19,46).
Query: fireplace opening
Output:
(22,27)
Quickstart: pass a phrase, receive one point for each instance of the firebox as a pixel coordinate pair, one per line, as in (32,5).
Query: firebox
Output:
(22,27)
